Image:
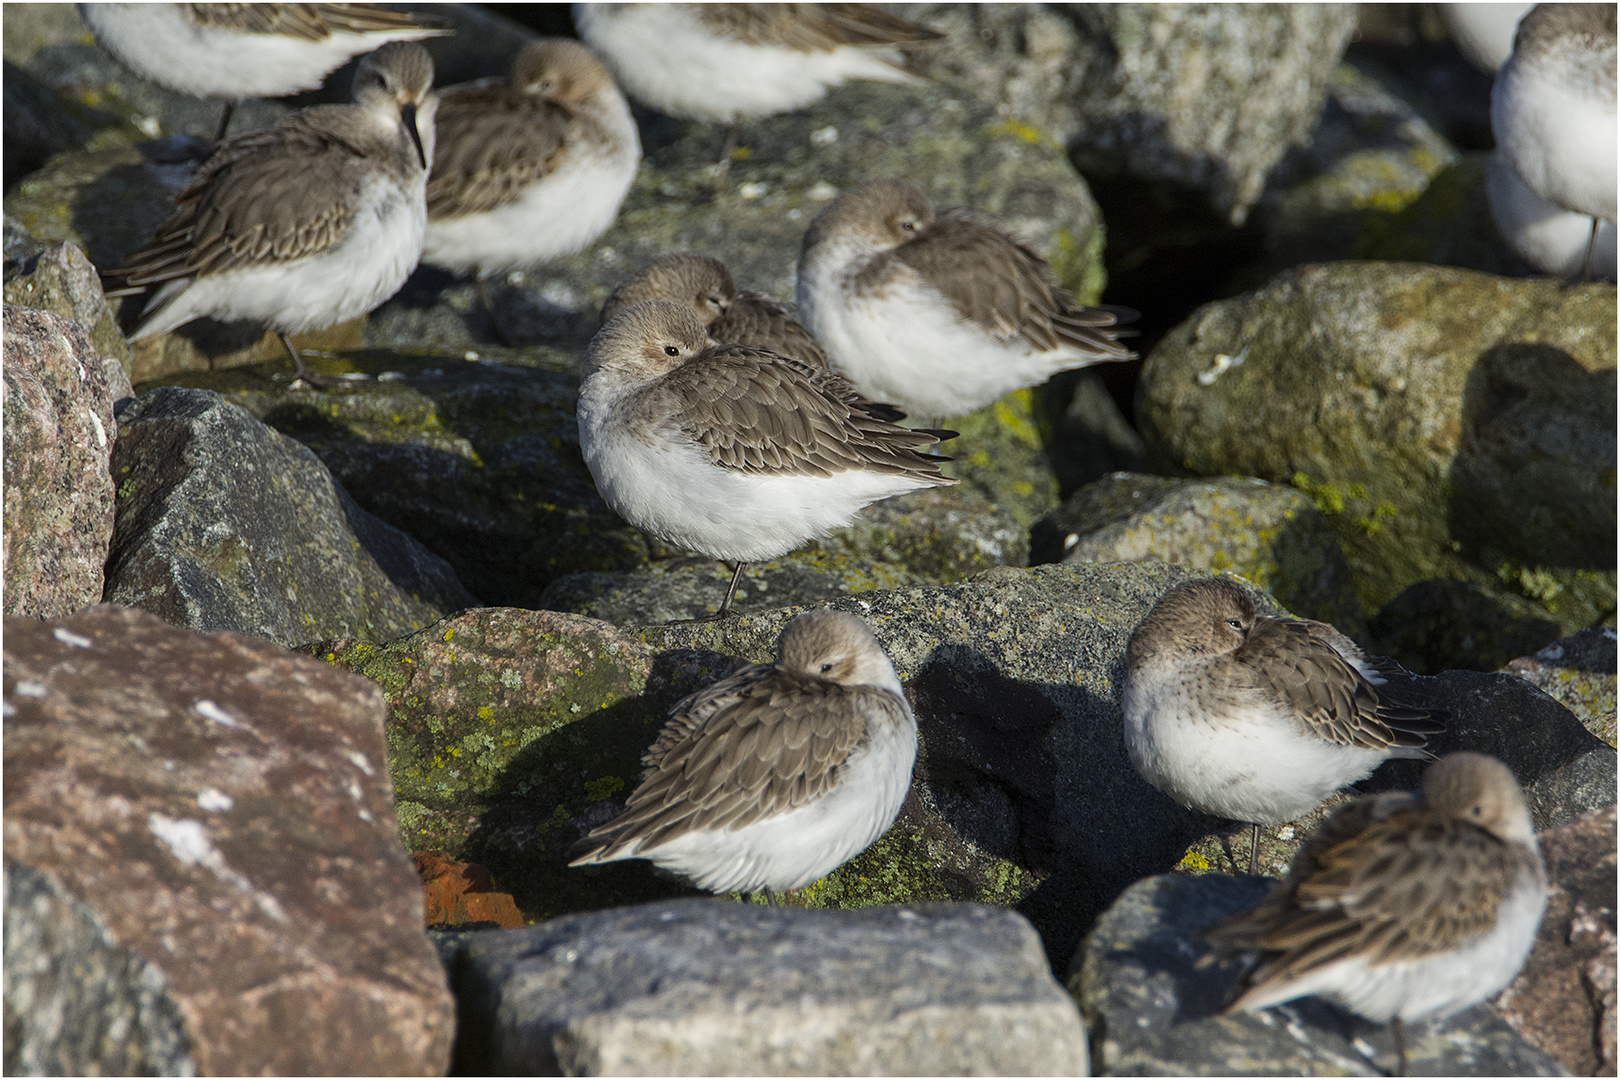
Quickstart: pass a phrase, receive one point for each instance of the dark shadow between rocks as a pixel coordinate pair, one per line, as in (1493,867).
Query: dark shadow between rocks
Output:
(1443,624)
(122,208)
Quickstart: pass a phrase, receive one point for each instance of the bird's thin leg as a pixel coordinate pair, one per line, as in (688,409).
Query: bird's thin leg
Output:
(770,897)
(1254,846)
(723,166)
(484,301)
(725,605)
(225,121)
(1399,1027)
(1591,246)
(299,370)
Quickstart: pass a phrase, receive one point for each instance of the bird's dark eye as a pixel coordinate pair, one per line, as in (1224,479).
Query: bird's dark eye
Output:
(670,350)
(1236,624)
(826,668)
(909,226)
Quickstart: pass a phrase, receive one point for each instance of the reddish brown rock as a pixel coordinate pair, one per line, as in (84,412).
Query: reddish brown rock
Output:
(1564,1000)
(456,893)
(59,433)
(222,810)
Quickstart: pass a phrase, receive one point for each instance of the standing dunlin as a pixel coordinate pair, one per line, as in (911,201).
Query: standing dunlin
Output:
(940,314)
(732,318)
(1402,907)
(1252,718)
(239,51)
(308,223)
(1553,108)
(736,453)
(776,776)
(528,168)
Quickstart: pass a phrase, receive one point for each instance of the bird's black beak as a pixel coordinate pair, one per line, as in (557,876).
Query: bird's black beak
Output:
(407,112)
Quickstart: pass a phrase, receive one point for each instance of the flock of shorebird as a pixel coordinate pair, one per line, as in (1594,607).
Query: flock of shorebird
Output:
(740,426)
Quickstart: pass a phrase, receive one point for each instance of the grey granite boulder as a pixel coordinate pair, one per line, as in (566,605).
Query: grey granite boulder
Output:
(216,821)
(1271,535)
(223,524)
(1153,1013)
(60,279)
(1580,673)
(713,988)
(59,394)
(1450,424)
(1206,97)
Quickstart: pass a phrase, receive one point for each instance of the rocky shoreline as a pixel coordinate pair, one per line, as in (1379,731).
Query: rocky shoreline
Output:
(265,644)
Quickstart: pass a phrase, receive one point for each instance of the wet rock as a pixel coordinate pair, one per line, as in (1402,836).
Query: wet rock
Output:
(1153,1014)
(1269,534)
(1580,673)
(1563,1001)
(222,810)
(1201,97)
(1446,422)
(225,524)
(61,280)
(659,989)
(59,434)
(478,460)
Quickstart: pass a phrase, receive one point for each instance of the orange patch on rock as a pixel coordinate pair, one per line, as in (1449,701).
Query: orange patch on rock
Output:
(457,893)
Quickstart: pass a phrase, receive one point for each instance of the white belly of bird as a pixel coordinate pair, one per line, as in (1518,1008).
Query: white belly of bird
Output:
(807,843)
(366,267)
(1551,239)
(909,346)
(1561,141)
(670,489)
(1438,985)
(1255,765)
(662,56)
(556,216)
(157,43)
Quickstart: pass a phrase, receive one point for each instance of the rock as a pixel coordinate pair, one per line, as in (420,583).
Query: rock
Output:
(1271,535)
(1580,673)
(659,990)
(1201,97)
(1563,1001)
(508,729)
(1094,438)
(1371,156)
(225,524)
(1441,624)
(1449,224)
(76,1001)
(939,535)
(37,127)
(59,433)
(61,280)
(1446,422)
(208,821)
(1154,1014)
(461,893)
(479,461)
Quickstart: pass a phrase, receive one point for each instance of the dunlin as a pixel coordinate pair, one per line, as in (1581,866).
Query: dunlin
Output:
(1553,108)
(732,62)
(732,318)
(1252,718)
(528,168)
(736,453)
(1484,32)
(1553,240)
(939,313)
(1403,907)
(239,51)
(779,774)
(313,221)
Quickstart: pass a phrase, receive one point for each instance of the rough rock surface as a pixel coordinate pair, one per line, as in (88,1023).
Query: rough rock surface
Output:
(1564,1000)
(225,525)
(224,810)
(59,435)
(1207,97)
(61,280)
(1270,534)
(1580,673)
(708,988)
(1449,423)
(1151,1013)
(76,1001)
